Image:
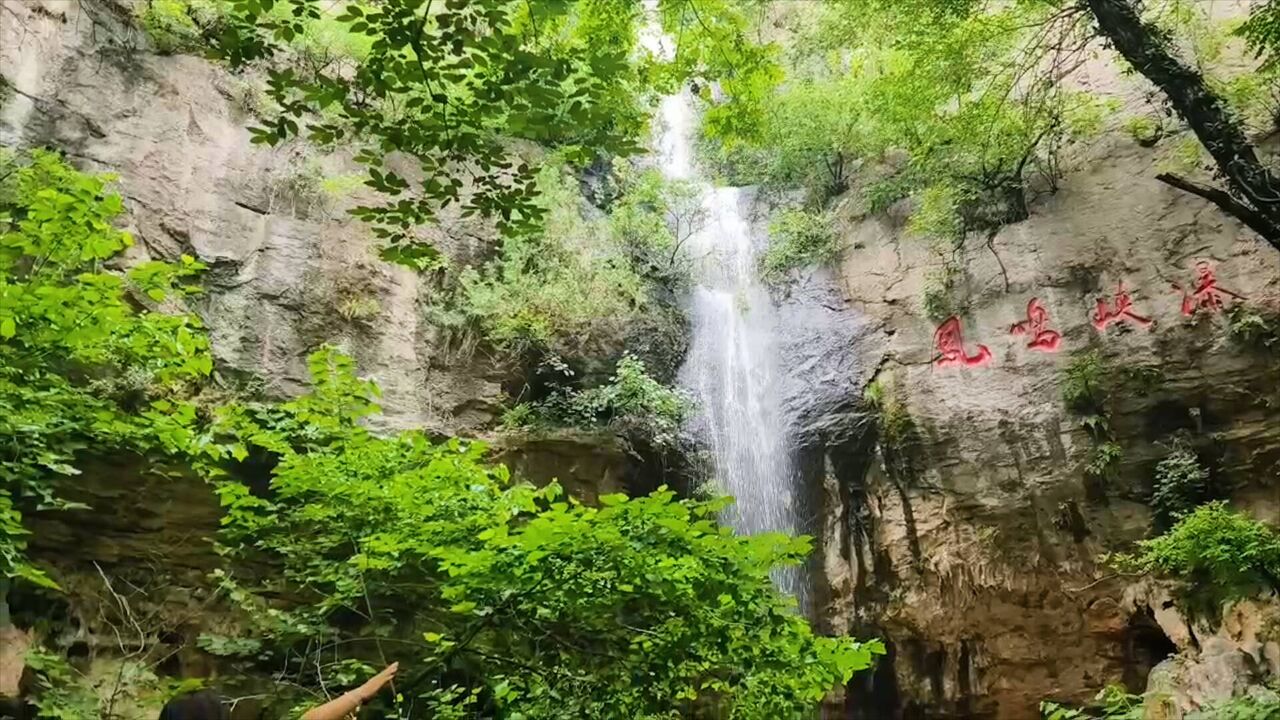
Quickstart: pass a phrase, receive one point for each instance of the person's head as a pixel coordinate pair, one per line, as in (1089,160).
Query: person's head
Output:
(204,705)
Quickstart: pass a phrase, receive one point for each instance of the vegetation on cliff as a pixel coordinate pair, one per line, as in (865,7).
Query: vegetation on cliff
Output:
(577,290)
(456,87)
(1218,555)
(970,109)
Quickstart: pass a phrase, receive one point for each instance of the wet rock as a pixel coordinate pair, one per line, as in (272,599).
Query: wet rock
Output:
(828,353)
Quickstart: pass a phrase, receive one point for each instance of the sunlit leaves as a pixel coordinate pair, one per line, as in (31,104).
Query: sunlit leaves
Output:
(1262,32)
(451,88)
(1216,551)
(926,99)
(516,596)
(565,288)
(87,356)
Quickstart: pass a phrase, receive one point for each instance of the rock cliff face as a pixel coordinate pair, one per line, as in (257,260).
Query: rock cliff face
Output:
(968,535)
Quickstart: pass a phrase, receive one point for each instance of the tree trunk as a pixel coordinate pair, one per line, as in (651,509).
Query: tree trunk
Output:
(1255,192)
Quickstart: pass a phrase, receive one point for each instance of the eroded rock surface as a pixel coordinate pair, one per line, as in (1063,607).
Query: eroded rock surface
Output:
(975,550)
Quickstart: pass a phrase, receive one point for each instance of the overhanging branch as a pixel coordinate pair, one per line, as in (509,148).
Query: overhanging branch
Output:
(1255,220)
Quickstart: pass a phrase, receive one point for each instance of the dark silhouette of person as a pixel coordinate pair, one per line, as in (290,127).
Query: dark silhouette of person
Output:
(204,705)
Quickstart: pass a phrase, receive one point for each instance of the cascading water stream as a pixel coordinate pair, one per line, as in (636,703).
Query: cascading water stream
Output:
(732,368)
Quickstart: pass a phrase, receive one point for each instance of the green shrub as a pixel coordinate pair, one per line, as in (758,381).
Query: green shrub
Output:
(637,405)
(341,186)
(651,220)
(175,26)
(882,193)
(1218,554)
(1144,129)
(1082,383)
(935,105)
(734,164)
(581,286)
(1262,705)
(1084,392)
(58,692)
(1143,379)
(1111,703)
(1253,329)
(798,238)
(1181,485)
(131,689)
(88,359)
(503,594)
(1254,97)
(936,297)
(873,395)
(897,434)
(631,404)
(809,139)
(358,308)
(1103,459)
(939,214)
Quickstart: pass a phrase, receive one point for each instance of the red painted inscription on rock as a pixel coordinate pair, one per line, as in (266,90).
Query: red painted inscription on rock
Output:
(1036,326)
(949,339)
(1119,309)
(1205,294)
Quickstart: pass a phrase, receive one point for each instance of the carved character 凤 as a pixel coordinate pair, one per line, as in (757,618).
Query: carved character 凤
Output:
(949,339)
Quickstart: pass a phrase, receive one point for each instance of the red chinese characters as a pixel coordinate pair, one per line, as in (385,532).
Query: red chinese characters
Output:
(1119,310)
(949,339)
(1205,295)
(1043,339)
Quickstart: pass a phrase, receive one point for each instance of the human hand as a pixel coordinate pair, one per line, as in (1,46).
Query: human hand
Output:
(375,683)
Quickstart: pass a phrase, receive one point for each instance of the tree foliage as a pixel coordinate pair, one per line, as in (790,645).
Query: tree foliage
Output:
(970,103)
(506,597)
(592,284)
(1181,485)
(1250,185)
(633,404)
(90,361)
(562,291)
(798,238)
(1218,554)
(937,103)
(512,600)
(454,86)
(1262,32)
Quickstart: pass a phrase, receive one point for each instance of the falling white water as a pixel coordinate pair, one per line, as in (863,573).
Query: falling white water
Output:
(732,368)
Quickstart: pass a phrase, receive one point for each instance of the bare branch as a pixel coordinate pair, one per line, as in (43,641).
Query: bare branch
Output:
(1228,204)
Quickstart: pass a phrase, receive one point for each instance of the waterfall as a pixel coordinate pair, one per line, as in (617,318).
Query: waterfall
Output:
(732,369)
